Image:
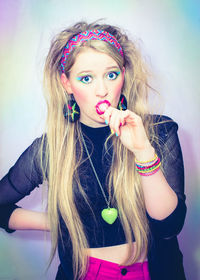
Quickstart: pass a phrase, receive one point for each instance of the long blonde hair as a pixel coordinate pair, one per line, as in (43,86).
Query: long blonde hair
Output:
(62,138)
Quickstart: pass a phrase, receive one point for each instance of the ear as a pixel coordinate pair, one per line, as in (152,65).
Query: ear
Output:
(66,83)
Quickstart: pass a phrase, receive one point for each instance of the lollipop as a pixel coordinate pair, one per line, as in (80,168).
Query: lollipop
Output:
(102,106)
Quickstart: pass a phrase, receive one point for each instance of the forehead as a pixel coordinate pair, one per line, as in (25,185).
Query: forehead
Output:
(90,59)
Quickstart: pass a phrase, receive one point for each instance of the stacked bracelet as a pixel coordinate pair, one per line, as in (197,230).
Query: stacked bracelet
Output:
(147,168)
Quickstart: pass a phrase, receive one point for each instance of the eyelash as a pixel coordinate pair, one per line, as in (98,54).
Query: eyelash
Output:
(81,79)
(116,73)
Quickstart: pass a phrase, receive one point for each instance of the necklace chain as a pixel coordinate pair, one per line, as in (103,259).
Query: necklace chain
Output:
(95,173)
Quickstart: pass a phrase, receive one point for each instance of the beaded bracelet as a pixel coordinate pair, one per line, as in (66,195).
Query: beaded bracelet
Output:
(150,167)
(148,161)
(142,167)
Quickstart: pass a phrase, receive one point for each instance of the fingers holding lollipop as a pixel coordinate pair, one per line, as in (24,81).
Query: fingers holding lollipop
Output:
(110,115)
(125,124)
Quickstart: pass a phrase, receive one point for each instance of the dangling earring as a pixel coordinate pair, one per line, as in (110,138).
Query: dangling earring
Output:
(122,105)
(71,110)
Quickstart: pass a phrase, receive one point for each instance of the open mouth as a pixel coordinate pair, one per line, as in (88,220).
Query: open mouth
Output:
(102,106)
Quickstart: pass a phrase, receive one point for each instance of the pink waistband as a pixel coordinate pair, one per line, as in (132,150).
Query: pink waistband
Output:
(101,269)
(109,264)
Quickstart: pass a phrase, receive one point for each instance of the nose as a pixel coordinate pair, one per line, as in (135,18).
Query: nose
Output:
(101,88)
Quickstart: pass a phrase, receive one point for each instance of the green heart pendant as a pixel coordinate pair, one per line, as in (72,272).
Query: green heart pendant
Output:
(109,215)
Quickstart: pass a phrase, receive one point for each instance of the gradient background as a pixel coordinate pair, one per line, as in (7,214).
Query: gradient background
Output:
(170,40)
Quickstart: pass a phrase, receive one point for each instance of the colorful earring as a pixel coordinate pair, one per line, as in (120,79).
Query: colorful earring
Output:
(122,105)
(71,111)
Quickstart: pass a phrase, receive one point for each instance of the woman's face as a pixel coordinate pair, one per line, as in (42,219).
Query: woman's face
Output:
(95,76)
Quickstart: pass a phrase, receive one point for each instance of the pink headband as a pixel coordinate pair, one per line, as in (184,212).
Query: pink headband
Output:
(86,36)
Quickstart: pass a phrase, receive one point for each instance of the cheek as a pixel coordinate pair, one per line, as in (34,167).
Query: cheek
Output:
(80,94)
(118,88)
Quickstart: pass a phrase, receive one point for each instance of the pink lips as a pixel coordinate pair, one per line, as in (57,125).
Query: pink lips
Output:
(102,106)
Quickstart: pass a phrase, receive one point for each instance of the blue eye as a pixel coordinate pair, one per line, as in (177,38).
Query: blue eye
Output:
(85,79)
(113,75)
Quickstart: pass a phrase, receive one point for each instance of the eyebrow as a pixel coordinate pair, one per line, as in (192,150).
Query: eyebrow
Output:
(107,68)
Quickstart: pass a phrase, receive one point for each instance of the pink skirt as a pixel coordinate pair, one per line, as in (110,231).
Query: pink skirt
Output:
(105,270)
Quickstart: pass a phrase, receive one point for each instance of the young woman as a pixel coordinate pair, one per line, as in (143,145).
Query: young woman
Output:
(115,173)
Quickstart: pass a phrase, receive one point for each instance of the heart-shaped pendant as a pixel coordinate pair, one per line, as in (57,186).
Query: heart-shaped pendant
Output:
(109,215)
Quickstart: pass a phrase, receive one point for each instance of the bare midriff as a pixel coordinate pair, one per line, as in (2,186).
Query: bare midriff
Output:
(116,254)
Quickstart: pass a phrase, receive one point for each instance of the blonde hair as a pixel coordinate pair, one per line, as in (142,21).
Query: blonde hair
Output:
(62,138)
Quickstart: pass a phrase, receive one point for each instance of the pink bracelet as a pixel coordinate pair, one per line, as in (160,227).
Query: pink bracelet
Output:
(150,173)
(143,167)
(150,167)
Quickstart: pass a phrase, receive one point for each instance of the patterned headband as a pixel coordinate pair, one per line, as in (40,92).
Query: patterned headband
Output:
(87,36)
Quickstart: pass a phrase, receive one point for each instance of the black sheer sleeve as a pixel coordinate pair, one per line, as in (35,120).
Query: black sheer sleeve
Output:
(169,151)
(5,213)
(22,178)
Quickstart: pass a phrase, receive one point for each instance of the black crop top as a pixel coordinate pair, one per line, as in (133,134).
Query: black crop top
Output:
(26,174)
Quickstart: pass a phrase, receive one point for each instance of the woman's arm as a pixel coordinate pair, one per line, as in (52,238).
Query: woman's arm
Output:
(169,150)
(162,192)
(22,219)
(160,198)
(22,178)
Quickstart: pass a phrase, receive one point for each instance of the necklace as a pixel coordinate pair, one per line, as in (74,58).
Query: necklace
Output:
(108,214)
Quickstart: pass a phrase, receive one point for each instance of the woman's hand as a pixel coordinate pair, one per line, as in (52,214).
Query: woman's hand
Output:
(129,128)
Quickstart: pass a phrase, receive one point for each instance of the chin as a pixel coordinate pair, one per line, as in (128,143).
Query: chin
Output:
(100,122)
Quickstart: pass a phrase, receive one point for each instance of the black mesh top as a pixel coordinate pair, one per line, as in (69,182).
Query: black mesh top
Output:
(26,174)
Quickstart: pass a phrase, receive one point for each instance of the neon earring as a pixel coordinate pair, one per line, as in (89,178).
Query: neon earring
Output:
(71,111)
(122,105)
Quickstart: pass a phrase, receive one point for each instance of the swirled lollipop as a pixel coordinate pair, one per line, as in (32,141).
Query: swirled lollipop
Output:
(102,106)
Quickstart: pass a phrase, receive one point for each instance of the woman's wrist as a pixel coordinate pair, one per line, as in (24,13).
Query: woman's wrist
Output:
(146,154)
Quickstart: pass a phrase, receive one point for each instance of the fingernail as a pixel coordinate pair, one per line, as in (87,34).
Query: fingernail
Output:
(112,131)
(116,133)
(106,121)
